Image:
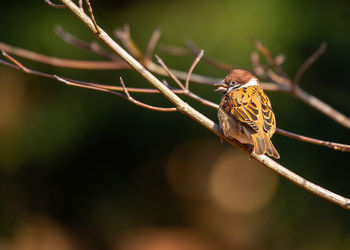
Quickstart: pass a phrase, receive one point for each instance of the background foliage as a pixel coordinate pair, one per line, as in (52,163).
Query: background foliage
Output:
(85,170)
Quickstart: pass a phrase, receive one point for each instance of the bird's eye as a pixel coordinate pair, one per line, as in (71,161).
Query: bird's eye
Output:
(234,83)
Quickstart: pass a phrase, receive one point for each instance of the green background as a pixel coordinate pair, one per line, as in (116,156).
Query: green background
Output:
(81,169)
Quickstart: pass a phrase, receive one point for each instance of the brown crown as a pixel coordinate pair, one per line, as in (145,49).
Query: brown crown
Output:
(239,75)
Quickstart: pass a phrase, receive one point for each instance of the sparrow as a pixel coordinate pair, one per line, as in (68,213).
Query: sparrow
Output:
(245,113)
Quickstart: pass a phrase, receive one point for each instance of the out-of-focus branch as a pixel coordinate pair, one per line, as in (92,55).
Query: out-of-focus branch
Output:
(197,116)
(64,63)
(141,104)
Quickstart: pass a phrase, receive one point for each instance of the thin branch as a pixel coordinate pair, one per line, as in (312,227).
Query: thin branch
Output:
(97,29)
(53,5)
(141,104)
(269,57)
(170,74)
(64,63)
(93,47)
(257,67)
(309,62)
(332,145)
(87,86)
(174,50)
(322,107)
(194,64)
(123,34)
(152,44)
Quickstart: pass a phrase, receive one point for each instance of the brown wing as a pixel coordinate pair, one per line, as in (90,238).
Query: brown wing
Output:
(269,125)
(240,105)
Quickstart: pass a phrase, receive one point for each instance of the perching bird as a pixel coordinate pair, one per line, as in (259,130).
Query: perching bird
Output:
(245,112)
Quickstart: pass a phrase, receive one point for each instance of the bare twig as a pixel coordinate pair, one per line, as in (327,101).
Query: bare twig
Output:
(17,65)
(64,63)
(174,50)
(141,104)
(97,29)
(194,64)
(269,57)
(93,47)
(152,44)
(123,34)
(257,67)
(332,145)
(309,62)
(322,107)
(53,5)
(171,75)
(87,86)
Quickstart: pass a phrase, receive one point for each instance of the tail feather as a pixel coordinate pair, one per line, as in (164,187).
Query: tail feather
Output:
(264,145)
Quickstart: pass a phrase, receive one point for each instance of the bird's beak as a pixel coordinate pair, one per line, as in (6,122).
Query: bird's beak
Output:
(221,87)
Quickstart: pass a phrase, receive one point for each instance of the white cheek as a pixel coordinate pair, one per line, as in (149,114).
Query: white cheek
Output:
(252,82)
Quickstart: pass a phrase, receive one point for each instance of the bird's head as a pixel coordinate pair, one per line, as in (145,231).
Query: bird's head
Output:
(237,78)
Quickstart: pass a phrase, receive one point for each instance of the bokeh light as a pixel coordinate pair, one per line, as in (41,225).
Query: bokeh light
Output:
(240,184)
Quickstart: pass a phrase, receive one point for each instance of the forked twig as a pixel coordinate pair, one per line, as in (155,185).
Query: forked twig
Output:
(194,64)
(171,75)
(152,44)
(141,104)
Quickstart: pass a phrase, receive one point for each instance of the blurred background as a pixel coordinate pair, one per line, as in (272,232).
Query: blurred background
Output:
(81,169)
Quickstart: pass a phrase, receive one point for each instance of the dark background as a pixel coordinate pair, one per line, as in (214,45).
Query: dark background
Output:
(81,169)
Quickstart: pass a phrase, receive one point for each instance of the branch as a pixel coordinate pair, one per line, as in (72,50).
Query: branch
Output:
(53,5)
(141,104)
(332,145)
(197,116)
(64,63)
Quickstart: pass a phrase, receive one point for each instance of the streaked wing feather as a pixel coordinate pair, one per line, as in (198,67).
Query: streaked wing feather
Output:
(247,113)
(269,117)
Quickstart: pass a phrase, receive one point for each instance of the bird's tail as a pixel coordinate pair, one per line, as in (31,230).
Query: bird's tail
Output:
(264,145)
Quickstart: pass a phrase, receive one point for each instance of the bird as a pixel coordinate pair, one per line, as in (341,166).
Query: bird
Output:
(245,113)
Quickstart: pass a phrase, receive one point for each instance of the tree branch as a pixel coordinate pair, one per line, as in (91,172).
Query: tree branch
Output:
(197,116)
(64,63)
